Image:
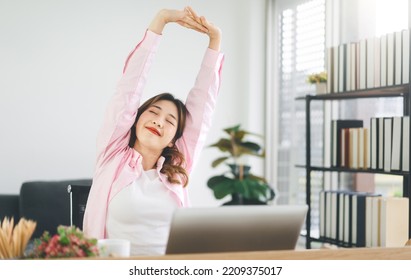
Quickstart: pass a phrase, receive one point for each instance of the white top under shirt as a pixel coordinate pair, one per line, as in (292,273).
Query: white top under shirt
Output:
(142,213)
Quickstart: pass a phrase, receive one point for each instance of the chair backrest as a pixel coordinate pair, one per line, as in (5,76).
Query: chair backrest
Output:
(47,203)
(78,201)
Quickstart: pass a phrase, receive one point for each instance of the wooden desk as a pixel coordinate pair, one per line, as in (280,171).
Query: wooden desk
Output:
(403,253)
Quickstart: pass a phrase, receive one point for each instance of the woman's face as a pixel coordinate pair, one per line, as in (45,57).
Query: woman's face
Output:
(157,126)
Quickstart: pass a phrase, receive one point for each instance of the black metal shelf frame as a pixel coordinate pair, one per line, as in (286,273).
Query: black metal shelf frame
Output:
(383,92)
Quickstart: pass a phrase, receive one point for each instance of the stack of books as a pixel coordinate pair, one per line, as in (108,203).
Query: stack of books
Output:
(370,63)
(362,219)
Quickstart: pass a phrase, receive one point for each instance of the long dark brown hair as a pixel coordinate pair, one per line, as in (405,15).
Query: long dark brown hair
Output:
(174,162)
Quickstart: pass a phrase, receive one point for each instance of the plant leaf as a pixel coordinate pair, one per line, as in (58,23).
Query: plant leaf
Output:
(221,186)
(223,145)
(231,130)
(252,185)
(252,146)
(215,180)
(218,161)
(240,186)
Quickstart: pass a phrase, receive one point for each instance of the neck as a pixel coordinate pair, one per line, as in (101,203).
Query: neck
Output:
(149,156)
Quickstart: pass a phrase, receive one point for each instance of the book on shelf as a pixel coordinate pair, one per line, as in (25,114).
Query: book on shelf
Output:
(359,148)
(387,143)
(335,69)
(347,67)
(337,149)
(375,217)
(398,57)
(328,215)
(357,66)
(341,214)
(396,144)
(344,150)
(406,56)
(353,148)
(364,148)
(347,238)
(330,72)
(370,51)
(406,143)
(353,66)
(377,62)
(380,143)
(363,64)
(383,60)
(369,218)
(390,58)
(342,63)
(394,221)
(367,149)
(358,219)
(334,215)
(374,143)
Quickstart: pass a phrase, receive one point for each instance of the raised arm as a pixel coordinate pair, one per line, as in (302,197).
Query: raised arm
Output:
(122,109)
(202,98)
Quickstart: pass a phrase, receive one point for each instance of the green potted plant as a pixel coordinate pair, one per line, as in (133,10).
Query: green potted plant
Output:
(319,80)
(244,187)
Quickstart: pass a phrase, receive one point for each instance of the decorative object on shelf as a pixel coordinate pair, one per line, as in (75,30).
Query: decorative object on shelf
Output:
(14,239)
(244,187)
(320,82)
(69,242)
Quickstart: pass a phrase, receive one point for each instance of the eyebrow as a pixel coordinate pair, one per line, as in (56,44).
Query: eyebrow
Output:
(158,107)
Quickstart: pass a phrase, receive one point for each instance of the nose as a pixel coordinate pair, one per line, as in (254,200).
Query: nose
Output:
(157,123)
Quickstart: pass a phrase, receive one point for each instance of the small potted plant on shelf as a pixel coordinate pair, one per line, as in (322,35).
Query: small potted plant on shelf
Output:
(319,80)
(244,187)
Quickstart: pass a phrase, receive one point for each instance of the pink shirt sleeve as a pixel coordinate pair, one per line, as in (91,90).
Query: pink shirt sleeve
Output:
(200,103)
(122,109)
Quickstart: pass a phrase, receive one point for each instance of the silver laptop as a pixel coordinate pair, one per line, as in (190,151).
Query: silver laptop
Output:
(235,228)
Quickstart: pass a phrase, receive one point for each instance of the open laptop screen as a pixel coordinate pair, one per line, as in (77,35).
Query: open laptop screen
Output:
(235,228)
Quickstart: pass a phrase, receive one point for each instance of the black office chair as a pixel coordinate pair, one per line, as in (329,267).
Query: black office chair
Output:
(78,201)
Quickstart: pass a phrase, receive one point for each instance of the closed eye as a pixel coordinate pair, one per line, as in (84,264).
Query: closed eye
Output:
(153,112)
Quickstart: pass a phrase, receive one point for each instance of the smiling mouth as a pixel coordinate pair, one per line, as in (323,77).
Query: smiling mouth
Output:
(154,131)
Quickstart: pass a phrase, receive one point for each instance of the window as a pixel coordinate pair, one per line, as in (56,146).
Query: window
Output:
(301,40)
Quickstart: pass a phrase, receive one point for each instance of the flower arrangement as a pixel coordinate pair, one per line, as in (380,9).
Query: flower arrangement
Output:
(316,78)
(69,242)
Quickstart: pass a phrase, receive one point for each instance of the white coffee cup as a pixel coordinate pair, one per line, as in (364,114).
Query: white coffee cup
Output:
(114,247)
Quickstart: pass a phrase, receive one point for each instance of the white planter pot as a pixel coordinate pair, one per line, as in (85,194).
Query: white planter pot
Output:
(321,88)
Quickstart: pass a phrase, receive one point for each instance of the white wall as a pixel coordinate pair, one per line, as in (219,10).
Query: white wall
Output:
(60,61)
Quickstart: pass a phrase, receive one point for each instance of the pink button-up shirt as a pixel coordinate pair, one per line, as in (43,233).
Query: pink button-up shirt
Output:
(117,164)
